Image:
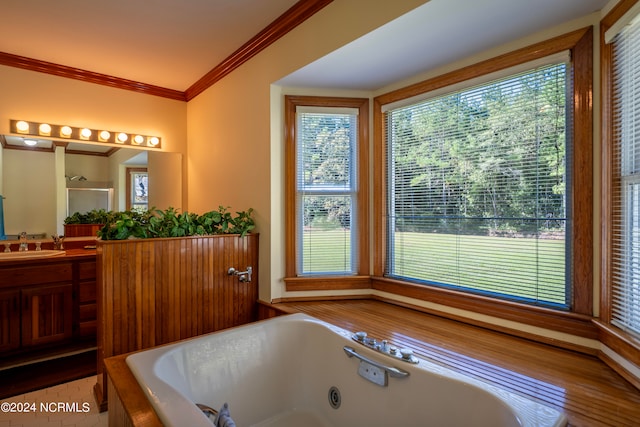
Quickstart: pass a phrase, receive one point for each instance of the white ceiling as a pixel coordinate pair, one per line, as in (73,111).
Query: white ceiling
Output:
(173,43)
(433,35)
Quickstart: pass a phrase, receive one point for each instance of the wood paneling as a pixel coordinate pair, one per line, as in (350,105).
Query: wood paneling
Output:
(267,311)
(156,291)
(129,406)
(80,230)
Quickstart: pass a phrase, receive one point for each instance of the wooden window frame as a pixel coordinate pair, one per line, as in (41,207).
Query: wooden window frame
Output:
(129,183)
(578,320)
(621,342)
(292,281)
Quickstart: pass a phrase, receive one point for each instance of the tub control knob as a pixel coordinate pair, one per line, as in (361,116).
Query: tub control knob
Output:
(406,353)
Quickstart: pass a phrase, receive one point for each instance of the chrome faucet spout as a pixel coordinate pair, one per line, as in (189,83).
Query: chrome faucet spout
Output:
(24,245)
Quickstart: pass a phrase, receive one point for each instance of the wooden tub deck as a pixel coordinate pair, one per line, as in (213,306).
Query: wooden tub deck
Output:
(582,386)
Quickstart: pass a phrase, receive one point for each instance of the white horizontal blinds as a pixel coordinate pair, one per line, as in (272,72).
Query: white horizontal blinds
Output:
(626,180)
(326,189)
(477,188)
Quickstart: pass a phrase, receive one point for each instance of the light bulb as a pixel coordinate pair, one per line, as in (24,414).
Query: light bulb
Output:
(85,133)
(44,129)
(22,126)
(65,131)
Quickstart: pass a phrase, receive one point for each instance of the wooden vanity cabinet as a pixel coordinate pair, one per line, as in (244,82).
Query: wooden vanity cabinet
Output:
(46,303)
(45,308)
(47,314)
(9,320)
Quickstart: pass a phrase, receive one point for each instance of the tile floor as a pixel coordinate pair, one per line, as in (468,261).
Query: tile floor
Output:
(65,405)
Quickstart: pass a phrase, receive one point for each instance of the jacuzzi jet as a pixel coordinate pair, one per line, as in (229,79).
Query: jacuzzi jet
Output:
(334,397)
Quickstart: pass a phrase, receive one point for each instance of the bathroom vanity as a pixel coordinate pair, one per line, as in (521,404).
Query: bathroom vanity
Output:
(47,301)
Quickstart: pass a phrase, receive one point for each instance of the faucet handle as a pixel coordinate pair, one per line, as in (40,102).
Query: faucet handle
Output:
(360,336)
(407,353)
(57,241)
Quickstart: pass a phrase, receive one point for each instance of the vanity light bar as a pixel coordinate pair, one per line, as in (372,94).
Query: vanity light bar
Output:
(24,127)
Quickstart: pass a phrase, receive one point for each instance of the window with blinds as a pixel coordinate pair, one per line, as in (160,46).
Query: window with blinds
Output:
(477,182)
(625,268)
(326,189)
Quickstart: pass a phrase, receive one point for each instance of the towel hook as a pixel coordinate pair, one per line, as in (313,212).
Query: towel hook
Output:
(243,276)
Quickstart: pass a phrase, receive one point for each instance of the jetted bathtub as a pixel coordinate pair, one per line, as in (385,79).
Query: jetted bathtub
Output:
(296,371)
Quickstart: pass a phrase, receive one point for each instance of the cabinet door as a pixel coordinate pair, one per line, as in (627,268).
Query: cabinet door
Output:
(47,314)
(9,320)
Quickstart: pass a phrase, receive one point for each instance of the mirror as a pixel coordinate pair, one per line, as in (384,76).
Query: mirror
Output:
(35,181)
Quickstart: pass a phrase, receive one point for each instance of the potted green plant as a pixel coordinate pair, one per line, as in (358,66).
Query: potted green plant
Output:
(171,223)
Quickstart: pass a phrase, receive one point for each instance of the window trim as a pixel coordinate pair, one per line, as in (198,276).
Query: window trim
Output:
(621,342)
(577,322)
(129,182)
(292,281)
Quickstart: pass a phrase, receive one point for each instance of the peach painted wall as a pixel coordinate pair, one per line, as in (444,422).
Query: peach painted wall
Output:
(229,125)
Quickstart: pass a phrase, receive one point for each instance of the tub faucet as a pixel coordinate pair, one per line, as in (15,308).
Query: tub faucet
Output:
(24,246)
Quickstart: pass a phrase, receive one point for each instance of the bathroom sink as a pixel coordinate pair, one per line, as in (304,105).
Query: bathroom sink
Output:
(45,253)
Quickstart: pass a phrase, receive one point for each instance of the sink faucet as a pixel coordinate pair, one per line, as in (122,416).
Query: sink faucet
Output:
(57,242)
(24,246)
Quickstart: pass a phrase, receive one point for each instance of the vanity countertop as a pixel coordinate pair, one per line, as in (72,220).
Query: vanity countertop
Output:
(69,255)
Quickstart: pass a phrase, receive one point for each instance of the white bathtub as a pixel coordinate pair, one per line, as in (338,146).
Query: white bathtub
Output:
(280,372)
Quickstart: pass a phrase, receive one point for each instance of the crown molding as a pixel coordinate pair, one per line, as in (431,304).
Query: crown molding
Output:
(87,76)
(293,17)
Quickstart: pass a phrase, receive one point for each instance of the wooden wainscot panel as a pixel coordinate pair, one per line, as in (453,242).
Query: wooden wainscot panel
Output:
(156,291)
(267,310)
